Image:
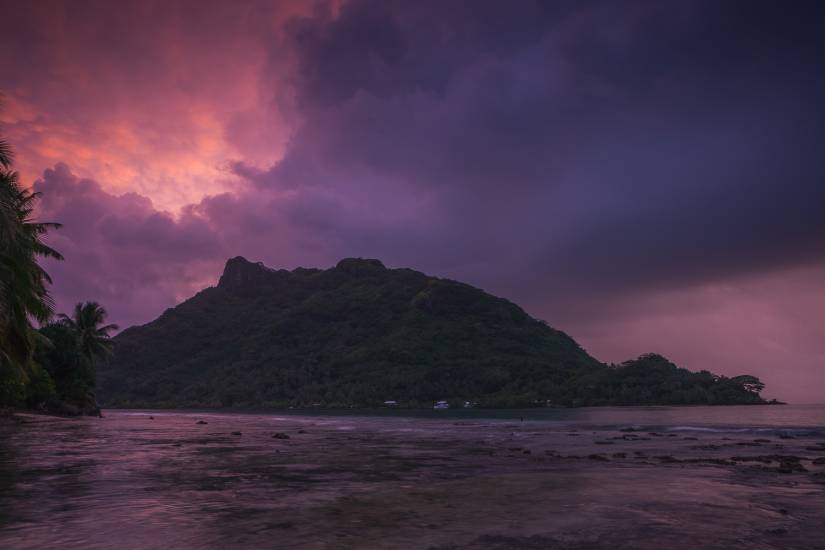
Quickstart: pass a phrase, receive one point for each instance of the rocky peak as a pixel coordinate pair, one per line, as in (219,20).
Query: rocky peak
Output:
(240,273)
(360,266)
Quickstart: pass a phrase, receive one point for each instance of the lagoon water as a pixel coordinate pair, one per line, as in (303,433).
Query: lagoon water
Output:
(648,477)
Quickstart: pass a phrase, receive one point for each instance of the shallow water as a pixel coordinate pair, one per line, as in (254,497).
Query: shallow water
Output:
(784,417)
(419,479)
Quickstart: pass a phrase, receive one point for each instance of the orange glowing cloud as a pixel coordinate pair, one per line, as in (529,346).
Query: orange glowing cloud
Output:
(157,109)
(646,191)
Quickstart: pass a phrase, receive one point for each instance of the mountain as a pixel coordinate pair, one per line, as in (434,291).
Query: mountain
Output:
(359,334)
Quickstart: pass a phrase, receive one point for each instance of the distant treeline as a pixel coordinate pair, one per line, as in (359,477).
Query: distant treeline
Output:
(653,380)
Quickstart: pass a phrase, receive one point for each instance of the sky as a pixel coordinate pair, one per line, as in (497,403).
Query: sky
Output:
(648,176)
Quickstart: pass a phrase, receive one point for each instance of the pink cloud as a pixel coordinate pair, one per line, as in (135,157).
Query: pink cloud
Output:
(643,190)
(141,95)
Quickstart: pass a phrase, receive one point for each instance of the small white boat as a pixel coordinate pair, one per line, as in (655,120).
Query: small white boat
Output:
(441,405)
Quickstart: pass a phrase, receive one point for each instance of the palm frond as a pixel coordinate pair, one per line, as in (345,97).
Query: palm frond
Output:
(6,154)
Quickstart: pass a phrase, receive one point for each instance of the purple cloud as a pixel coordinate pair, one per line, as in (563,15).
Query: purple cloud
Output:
(120,250)
(632,172)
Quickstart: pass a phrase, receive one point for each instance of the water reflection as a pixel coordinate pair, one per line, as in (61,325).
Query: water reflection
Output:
(129,480)
(8,474)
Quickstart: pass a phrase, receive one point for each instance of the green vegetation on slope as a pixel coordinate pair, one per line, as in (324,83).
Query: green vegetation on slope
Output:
(653,380)
(359,334)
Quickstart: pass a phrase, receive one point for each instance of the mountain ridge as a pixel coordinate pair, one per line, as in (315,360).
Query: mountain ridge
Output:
(355,335)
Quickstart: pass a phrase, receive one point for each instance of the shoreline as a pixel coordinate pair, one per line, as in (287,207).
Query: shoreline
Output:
(444,483)
(772,402)
(12,413)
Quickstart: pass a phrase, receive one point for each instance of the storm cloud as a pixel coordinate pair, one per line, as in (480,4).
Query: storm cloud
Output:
(645,175)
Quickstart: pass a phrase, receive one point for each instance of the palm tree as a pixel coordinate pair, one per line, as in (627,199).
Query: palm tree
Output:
(23,283)
(87,324)
(5,154)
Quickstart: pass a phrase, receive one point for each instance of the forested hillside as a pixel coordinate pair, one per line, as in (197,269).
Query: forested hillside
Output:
(359,334)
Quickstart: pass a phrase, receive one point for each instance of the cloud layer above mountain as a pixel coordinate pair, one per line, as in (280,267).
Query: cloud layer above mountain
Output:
(645,175)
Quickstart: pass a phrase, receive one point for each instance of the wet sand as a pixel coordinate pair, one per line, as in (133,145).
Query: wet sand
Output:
(161,481)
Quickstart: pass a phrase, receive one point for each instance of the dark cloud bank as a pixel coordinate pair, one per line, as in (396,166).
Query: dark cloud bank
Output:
(610,166)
